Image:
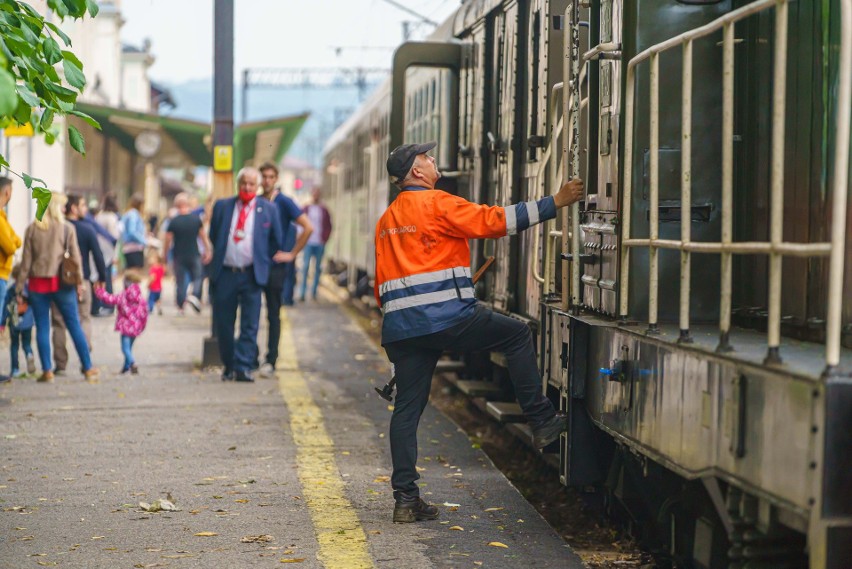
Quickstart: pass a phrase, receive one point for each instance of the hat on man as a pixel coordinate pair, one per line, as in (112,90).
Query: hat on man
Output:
(401,159)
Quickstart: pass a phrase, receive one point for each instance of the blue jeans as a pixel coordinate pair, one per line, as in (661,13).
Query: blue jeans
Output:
(20,338)
(65,300)
(188,272)
(127,350)
(315,251)
(153,299)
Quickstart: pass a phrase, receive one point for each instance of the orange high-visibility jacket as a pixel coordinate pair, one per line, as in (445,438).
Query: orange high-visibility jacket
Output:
(423,278)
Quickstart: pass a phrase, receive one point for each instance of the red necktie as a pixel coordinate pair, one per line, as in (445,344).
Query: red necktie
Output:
(239,232)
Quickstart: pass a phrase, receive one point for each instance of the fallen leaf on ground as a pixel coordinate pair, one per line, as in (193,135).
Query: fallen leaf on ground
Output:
(457,528)
(98,536)
(257,539)
(242,501)
(498,544)
(450,505)
(493,509)
(212,533)
(294,560)
(382,479)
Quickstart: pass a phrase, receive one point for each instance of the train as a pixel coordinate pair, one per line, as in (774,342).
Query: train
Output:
(693,314)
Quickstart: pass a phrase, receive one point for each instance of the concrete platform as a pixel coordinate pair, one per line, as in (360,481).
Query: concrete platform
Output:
(289,469)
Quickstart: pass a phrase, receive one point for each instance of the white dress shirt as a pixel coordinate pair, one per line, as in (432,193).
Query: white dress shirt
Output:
(240,254)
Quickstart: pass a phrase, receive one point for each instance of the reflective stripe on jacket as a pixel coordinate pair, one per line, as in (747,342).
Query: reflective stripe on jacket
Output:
(423,278)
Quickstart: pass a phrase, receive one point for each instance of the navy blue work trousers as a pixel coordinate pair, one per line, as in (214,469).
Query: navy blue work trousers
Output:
(414,361)
(237,290)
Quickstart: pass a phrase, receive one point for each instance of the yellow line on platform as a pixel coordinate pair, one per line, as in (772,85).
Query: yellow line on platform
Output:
(342,542)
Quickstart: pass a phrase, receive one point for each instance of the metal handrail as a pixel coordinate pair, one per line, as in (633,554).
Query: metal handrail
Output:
(776,248)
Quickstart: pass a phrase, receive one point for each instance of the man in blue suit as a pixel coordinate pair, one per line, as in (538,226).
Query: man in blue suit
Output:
(247,239)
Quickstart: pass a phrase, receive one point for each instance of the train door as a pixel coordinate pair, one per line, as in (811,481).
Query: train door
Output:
(500,139)
(543,69)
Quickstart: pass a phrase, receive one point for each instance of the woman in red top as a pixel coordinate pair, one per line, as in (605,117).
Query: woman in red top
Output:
(46,243)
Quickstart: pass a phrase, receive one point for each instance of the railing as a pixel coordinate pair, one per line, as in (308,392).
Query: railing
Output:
(776,248)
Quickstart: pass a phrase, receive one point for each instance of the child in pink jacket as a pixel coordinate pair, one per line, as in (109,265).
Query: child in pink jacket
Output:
(131,316)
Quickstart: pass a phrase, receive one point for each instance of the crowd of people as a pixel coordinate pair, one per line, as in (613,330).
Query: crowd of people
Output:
(69,261)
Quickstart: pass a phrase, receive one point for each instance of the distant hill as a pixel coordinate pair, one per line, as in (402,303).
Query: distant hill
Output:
(328,108)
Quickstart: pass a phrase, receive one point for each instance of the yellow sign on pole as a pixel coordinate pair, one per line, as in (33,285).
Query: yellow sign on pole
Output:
(223,158)
(22,130)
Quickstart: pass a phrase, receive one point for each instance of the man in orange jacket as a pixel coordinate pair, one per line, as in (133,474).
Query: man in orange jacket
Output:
(424,287)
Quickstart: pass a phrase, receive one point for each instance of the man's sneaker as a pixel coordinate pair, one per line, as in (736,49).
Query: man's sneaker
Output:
(5,378)
(228,375)
(31,363)
(134,369)
(58,371)
(46,377)
(193,301)
(407,511)
(91,375)
(266,370)
(550,430)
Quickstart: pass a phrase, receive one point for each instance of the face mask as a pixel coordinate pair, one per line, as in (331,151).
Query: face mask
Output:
(246,197)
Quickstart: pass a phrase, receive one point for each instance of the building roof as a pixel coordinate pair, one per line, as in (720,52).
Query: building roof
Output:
(189,142)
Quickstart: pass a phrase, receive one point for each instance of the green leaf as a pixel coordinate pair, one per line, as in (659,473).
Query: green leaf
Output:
(49,138)
(59,8)
(22,112)
(8,95)
(62,93)
(3,163)
(28,96)
(63,36)
(29,9)
(52,52)
(76,140)
(89,120)
(42,197)
(28,180)
(74,74)
(69,55)
(46,119)
(92,7)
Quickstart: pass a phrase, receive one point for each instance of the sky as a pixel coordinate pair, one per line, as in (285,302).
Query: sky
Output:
(274,33)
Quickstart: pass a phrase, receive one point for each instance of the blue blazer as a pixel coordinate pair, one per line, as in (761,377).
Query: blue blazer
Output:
(268,236)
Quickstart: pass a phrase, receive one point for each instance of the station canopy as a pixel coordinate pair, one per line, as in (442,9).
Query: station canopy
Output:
(185,142)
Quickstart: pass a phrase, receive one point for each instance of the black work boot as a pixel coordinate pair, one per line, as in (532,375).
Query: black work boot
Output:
(409,510)
(550,430)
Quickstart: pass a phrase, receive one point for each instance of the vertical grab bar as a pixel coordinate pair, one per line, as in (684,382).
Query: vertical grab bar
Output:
(728,66)
(776,231)
(840,190)
(574,170)
(686,193)
(654,198)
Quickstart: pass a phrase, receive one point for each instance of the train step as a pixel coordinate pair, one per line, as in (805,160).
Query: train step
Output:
(505,411)
(476,388)
(445,366)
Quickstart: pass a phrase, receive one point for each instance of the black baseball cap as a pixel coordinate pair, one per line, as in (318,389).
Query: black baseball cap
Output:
(401,159)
